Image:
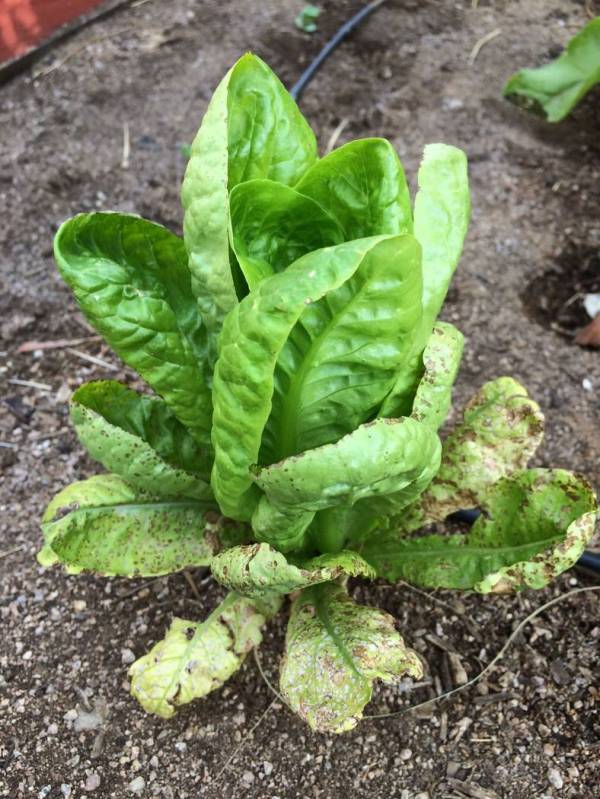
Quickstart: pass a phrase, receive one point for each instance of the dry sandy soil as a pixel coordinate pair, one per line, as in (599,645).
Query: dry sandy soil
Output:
(67,724)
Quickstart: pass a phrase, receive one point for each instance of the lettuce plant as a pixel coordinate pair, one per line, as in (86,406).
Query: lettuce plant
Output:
(299,379)
(555,88)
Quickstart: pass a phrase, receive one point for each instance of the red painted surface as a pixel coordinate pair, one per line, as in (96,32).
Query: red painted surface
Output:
(26,23)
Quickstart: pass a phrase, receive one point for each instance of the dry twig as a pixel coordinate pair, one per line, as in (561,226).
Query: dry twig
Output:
(481,42)
(93,359)
(57,344)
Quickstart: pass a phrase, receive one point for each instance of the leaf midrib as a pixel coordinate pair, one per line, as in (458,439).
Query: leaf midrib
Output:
(462,550)
(325,620)
(288,418)
(134,507)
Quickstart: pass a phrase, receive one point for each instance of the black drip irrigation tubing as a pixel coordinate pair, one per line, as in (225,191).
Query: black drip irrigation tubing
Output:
(589,560)
(339,37)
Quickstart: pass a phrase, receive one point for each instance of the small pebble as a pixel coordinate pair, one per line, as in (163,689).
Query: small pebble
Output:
(555,778)
(267,768)
(79,605)
(127,656)
(92,782)
(248,777)
(406,754)
(87,721)
(137,785)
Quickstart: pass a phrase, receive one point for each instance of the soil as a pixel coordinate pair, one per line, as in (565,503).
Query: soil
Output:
(68,726)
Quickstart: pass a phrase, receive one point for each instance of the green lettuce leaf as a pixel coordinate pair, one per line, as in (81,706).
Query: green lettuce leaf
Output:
(356,191)
(282,527)
(334,651)
(252,129)
(131,280)
(555,88)
(196,658)
(255,570)
(441,219)
(363,187)
(535,525)
(255,333)
(441,359)
(272,225)
(380,459)
(501,430)
(138,438)
(382,466)
(104,525)
(342,356)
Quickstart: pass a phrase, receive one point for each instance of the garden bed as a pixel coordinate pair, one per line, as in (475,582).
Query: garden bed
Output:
(532,728)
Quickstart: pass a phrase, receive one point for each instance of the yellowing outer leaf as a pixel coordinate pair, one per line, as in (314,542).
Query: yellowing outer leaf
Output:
(196,658)
(501,429)
(104,525)
(334,651)
(535,524)
(257,569)
(552,506)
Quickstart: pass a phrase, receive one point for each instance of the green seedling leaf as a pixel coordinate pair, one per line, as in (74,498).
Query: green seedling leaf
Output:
(535,525)
(196,658)
(555,88)
(257,330)
(501,430)
(252,129)
(131,280)
(257,569)
(307,19)
(104,525)
(441,219)
(334,652)
(138,438)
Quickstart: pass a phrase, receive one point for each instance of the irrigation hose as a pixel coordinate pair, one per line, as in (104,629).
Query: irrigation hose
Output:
(339,37)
